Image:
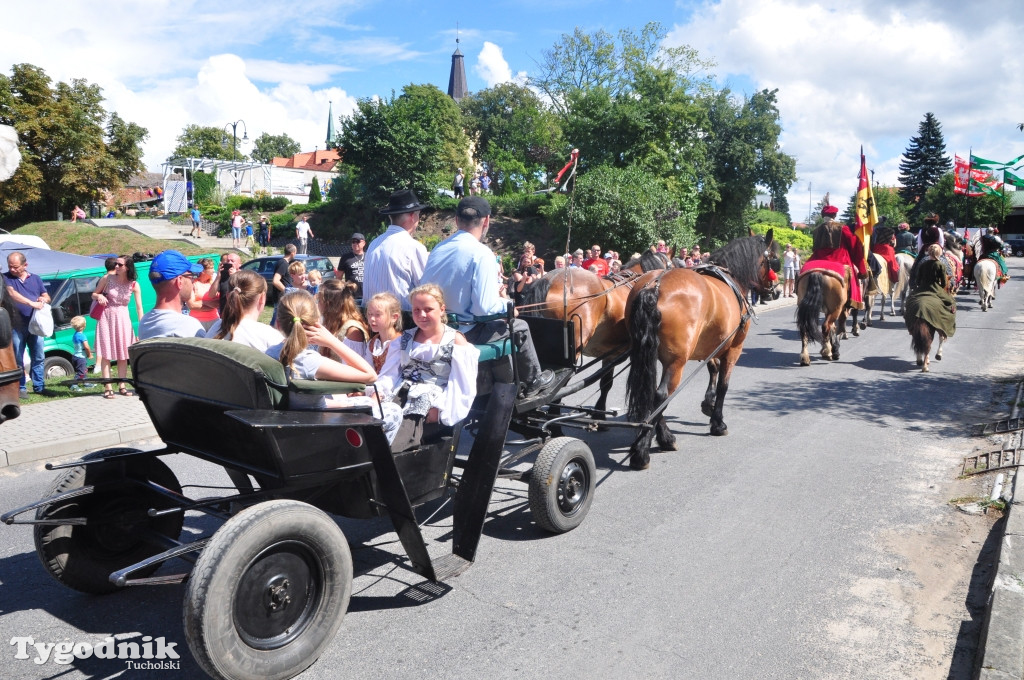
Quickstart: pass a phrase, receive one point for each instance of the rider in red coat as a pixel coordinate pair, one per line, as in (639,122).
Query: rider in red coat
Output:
(883,245)
(834,242)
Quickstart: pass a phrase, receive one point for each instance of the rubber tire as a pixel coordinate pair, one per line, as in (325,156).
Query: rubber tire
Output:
(58,367)
(558,458)
(75,555)
(212,627)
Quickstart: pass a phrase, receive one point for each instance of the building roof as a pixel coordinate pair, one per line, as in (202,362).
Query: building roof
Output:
(323,160)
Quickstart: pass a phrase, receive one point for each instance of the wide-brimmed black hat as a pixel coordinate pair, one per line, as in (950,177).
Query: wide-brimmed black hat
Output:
(402,201)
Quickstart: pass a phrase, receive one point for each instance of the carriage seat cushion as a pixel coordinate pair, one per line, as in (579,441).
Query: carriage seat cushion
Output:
(220,371)
(495,349)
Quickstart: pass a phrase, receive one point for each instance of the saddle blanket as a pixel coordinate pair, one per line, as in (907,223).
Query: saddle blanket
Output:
(839,271)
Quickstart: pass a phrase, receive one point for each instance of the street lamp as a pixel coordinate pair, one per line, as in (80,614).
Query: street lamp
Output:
(234,136)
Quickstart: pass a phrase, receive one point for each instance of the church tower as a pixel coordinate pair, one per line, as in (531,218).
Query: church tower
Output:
(457,79)
(330,126)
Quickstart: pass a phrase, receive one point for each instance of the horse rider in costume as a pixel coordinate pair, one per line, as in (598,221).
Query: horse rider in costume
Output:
(837,248)
(905,241)
(930,233)
(882,242)
(992,248)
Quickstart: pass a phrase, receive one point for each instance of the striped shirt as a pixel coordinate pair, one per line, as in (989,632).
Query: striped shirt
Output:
(394,264)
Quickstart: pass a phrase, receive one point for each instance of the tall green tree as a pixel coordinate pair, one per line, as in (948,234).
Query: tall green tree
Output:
(268,146)
(743,153)
(924,162)
(71,148)
(514,134)
(200,141)
(414,141)
(314,192)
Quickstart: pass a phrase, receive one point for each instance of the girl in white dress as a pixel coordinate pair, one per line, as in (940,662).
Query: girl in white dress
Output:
(430,371)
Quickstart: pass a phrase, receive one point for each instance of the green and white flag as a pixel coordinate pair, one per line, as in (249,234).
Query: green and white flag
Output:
(1012,179)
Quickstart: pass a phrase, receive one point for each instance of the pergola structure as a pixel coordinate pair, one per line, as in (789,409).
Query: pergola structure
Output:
(237,177)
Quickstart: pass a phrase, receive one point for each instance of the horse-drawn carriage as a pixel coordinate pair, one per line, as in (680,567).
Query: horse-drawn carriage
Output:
(270,586)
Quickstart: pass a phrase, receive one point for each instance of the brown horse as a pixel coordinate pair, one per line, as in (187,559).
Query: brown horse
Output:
(10,374)
(682,314)
(822,291)
(596,304)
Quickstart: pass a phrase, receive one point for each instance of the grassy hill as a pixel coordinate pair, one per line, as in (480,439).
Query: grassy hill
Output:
(82,239)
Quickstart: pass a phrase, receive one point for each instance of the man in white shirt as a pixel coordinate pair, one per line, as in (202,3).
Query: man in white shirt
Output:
(394,260)
(303,233)
(171,274)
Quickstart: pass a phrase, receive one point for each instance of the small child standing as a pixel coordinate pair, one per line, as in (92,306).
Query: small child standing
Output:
(82,350)
(313,280)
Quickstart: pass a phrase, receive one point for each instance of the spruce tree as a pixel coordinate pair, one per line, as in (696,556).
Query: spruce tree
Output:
(314,192)
(925,162)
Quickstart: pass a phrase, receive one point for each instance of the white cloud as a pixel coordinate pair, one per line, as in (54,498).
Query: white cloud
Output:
(493,69)
(852,74)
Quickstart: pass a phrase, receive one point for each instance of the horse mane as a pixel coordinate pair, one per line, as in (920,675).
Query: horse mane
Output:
(536,292)
(649,261)
(742,257)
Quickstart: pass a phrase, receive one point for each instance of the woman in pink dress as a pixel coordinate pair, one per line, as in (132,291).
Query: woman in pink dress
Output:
(114,331)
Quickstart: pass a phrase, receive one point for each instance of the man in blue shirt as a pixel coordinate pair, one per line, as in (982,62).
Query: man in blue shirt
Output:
(29,294)
(469,276)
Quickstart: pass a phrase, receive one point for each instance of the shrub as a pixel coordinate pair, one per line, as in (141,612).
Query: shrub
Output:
(314,191)
(203,187)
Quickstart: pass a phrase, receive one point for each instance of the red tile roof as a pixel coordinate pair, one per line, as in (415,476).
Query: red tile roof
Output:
(310,160)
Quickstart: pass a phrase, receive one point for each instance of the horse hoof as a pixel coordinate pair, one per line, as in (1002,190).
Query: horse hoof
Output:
(938,357)
(924,369)
(856,333)
(719,430)
(834,357)
(668,445)
(709,410)
(805,361)
(637,462)
(862,327)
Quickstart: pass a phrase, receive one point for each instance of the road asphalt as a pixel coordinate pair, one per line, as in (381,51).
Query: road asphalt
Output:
(74,426)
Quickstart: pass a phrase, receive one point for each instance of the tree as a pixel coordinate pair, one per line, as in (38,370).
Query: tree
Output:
(965,211)
(267,147)
(924,162)
(742,153)
(314,192)
(413,141)
(71,148)
(514,134)
(627,207)
(198,141)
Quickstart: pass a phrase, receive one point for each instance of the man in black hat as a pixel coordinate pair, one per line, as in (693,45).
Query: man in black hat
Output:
(394,261)
(468,274)
(351,265)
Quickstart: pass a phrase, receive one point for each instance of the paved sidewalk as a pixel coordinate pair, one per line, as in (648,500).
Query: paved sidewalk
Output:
(77,425)
(165,230)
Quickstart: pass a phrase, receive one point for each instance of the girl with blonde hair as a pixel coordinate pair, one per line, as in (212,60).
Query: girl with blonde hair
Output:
(432,374)
(384,316)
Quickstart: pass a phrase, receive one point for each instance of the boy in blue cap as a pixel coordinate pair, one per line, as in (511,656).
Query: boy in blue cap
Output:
(171,274)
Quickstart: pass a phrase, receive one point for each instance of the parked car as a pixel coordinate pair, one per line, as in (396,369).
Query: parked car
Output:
(1016,246)
(264,266)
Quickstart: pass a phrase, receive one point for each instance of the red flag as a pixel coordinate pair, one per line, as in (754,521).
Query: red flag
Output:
(972,180)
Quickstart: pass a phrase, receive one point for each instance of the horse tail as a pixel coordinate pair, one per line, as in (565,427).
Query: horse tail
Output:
(808,311)
(645,326)
(920,336)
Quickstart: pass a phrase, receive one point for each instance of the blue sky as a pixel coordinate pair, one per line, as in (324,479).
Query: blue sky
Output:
(848,74)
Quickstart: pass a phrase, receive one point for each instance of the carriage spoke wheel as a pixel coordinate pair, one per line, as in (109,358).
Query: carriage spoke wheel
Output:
(268,593)
(562,484)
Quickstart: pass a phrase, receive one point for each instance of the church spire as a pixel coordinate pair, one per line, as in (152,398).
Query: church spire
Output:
(457,79)
(330,125)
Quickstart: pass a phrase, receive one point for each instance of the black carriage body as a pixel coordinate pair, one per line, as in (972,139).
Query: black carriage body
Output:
(228,404)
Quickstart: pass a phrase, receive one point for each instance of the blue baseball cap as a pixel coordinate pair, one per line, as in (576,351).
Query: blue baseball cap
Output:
(169,265)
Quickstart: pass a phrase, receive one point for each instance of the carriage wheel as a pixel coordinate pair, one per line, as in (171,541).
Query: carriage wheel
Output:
(83,556)
(562,484)
(269,592)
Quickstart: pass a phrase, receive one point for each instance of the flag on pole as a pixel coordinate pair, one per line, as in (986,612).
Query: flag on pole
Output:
(1012,179)
(865,213)
(978,162)
(973,181)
